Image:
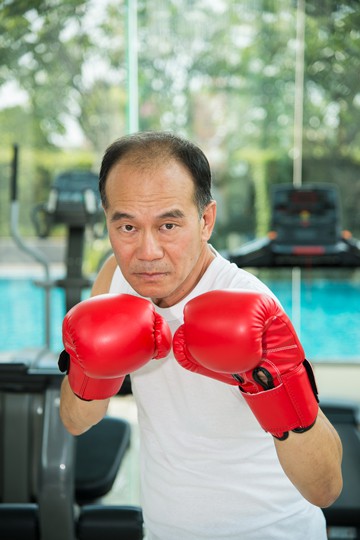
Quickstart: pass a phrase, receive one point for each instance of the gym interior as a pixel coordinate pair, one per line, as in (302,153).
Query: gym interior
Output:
(270,91)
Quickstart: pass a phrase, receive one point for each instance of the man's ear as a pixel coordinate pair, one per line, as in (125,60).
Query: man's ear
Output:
(208,218)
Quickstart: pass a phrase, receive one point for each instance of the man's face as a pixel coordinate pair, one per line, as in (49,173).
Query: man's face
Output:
(158,238)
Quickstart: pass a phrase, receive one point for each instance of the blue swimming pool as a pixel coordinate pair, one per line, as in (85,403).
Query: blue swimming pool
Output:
(329,315)
(22,315)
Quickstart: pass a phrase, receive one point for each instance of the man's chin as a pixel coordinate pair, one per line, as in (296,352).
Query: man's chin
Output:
(150,290)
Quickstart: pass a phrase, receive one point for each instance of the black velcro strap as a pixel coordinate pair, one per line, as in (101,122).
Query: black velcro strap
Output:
(310,374)
(64,361)
(283,437)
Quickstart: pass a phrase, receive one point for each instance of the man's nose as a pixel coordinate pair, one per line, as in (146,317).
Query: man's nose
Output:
(149,247)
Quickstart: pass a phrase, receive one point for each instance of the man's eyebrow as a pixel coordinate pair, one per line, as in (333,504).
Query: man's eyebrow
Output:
(121,215)
(174,214)
(179,214)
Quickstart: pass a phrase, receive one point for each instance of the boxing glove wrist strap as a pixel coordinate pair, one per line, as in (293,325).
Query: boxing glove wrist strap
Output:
(84,387)
(64,366)
(64,362)
(290,406)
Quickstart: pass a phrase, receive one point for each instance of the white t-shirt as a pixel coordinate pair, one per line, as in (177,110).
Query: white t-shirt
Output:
(208,470)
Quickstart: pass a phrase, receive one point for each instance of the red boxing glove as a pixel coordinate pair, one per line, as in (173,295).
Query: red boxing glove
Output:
(107,337)
(244,338)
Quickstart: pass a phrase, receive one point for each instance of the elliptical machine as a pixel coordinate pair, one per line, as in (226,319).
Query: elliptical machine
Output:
(73,201)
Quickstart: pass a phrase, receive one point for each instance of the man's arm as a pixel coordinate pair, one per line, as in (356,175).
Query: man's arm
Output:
(78,415)
(105,338)
(312,461)
(244,338)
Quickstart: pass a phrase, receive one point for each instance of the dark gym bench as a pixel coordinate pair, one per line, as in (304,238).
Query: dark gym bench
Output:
(98,456)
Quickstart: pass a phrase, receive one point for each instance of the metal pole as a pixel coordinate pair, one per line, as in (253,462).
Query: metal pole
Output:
(32,252)
(132,116)
(299,93)
(298,145)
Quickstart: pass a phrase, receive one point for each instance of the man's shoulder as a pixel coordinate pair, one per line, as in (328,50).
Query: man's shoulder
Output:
(227,275)
(105,276)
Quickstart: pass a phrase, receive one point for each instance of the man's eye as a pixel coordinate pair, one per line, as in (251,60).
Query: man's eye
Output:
(128,228)
(169,226)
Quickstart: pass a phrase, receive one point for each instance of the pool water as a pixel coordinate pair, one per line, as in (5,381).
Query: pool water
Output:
(22,315)
(329,317)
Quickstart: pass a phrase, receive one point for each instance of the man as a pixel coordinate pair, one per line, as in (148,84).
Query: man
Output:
(214,464)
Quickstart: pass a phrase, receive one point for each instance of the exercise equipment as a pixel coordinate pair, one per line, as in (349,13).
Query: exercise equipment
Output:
(50,482)
(74,202)
(305,231)
(345,512)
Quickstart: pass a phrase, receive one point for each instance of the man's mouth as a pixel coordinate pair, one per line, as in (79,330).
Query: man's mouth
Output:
(150,276)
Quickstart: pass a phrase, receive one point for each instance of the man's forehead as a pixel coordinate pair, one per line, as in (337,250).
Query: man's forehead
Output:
(142,164)
(159,177)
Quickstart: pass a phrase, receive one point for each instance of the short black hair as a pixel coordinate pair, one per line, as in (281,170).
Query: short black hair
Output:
(148,147)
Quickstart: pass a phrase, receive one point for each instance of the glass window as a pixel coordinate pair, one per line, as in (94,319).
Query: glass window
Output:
(269,89)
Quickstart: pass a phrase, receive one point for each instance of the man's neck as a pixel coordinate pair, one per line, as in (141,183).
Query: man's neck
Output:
(206,257)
